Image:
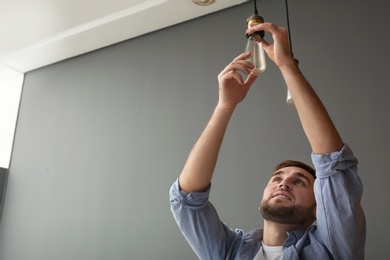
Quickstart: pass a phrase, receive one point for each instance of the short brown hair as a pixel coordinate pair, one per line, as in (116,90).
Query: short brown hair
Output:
(288,163)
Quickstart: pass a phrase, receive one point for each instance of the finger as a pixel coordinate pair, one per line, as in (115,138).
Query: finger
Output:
(265,44)
(228,73)
(268,27)
(249,81)
(243,56)
(237,77)
(278,33)
(241,65)
(253,24)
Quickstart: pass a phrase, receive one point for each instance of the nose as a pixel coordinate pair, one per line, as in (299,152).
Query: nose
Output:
(285,185)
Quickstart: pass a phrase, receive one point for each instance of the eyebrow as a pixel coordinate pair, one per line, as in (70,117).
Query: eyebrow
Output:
(301,175)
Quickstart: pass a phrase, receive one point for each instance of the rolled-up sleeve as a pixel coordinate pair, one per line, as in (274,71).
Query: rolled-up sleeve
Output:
(340,217)
(200,224)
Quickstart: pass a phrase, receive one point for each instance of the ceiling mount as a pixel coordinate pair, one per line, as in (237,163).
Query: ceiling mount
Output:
(204,2)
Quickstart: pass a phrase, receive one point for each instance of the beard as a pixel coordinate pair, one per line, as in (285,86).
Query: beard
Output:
(292,215)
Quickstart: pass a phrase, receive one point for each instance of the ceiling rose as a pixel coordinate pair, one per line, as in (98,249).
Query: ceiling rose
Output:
(203,2)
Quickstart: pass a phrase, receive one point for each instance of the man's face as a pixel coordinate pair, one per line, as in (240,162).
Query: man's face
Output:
(289,197)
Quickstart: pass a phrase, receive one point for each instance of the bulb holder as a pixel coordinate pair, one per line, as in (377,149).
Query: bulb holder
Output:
(254,18)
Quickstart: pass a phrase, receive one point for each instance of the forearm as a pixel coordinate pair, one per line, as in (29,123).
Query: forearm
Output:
(316,122)
(200,165)
(198,170)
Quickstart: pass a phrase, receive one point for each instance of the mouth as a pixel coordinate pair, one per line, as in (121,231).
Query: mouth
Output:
(281,195)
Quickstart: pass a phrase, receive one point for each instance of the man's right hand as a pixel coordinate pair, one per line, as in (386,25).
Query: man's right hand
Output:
(232,87)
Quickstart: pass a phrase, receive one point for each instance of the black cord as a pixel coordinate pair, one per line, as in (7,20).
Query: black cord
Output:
(255,11)
(288,27)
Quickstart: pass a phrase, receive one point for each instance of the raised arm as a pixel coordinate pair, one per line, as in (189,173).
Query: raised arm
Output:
(200,165)
(318,126)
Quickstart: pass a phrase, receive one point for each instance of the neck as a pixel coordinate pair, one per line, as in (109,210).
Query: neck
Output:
(275,234)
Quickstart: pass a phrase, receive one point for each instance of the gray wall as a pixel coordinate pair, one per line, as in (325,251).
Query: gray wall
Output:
(101,137)
(3,182)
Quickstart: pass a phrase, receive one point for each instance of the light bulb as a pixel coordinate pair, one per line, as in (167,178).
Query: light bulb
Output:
(257,58)
(255,44)
(289,99)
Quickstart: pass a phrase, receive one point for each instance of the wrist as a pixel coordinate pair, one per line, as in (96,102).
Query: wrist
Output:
(226,108)
(288,61)
(291,67)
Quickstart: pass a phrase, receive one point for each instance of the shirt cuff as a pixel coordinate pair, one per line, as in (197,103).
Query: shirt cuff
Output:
(192,200)
(330,164)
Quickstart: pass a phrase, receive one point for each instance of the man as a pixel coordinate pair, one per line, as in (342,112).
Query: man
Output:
(295,196)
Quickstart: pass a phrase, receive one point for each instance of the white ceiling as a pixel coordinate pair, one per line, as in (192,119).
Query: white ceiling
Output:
(41,32)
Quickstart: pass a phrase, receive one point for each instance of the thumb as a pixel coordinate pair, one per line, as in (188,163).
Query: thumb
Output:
(249,81)
(265,44)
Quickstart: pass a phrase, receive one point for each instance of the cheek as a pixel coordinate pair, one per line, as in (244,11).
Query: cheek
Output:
(267,192)
(308,198)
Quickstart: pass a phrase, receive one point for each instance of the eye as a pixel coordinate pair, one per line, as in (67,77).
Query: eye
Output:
(277,179)
(299,182)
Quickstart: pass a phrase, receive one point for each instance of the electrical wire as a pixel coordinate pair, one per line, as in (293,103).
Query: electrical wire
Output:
(288,26)
(255,11)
